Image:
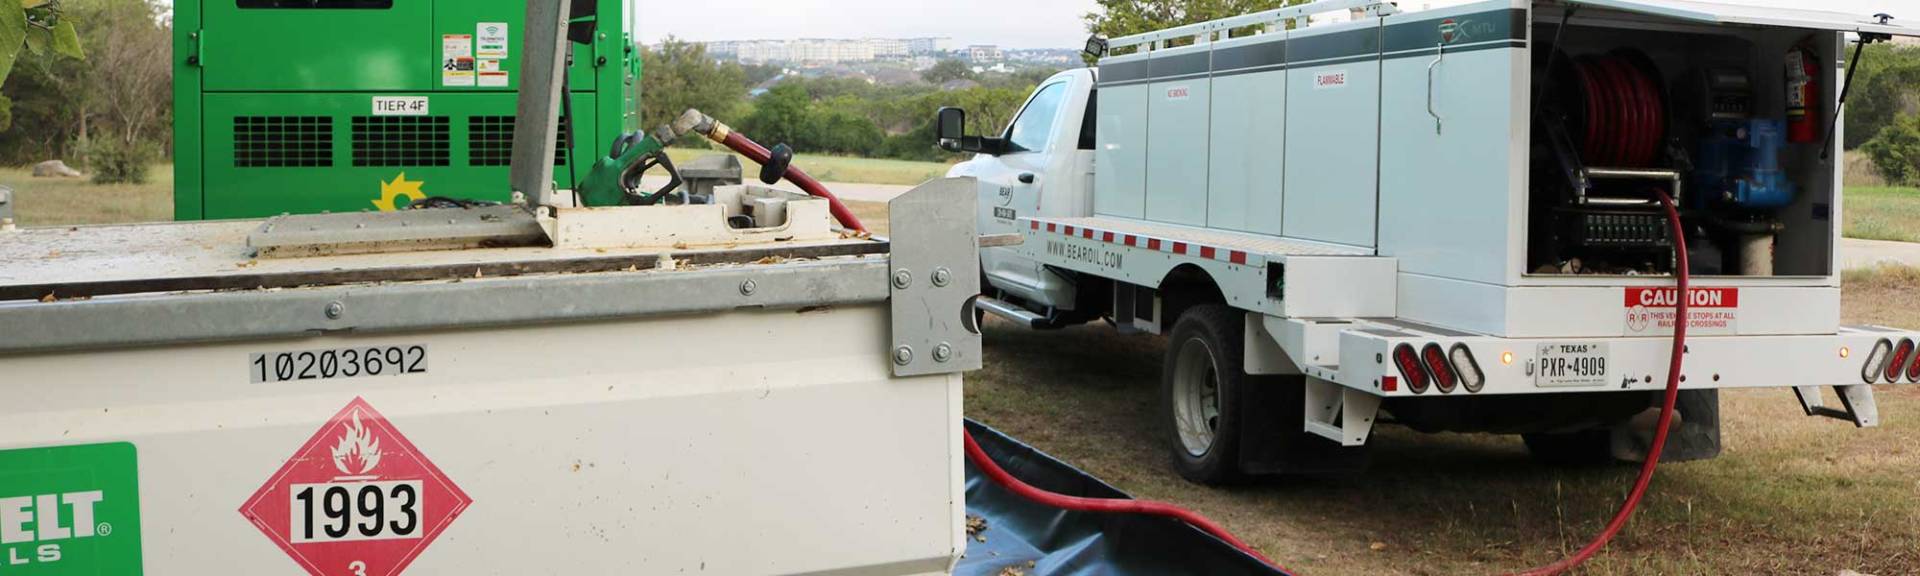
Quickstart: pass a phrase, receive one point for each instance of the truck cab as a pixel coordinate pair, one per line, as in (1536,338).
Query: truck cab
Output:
(1041,165)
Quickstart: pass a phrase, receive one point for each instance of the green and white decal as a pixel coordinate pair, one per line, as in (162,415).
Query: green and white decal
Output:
(70,510)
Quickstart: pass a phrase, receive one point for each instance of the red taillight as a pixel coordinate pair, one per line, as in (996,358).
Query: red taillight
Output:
(1913,371)
(1436,360)
(1901,354)
(1409,363)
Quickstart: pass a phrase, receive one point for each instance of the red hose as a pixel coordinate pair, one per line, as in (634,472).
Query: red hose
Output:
(1620,518)
(1625,115)
(1666,407)
(1082,504)
(760,155)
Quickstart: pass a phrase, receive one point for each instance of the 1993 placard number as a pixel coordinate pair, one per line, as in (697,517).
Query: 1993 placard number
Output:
(341,363)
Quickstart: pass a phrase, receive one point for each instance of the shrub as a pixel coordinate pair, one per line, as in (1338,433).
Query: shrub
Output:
(1896,151)
(116,162)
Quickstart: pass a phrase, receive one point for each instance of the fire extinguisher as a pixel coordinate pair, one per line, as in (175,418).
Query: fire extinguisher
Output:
(1803,92)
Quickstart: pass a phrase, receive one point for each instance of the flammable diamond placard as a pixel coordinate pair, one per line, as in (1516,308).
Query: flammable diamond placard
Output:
(357,500)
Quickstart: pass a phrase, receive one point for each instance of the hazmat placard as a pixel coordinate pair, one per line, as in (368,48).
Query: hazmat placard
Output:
(70,510)
(492,74)
(1711,311)
(358,499)
(456,60)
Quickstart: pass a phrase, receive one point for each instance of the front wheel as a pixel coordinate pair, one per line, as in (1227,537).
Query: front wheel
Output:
(1200,391)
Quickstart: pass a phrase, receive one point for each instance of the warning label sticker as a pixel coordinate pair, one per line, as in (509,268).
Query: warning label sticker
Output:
(492,75)
(1711,311)
(456,60)
(358,499)
(493,40)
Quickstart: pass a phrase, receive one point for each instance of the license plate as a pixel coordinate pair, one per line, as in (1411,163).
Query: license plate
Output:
(1572,365)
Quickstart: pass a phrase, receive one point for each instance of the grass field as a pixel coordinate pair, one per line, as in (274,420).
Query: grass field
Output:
(840,168)
(1883,214)
(70,201)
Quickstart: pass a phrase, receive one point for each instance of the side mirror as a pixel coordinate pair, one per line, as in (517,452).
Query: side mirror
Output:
(951,129)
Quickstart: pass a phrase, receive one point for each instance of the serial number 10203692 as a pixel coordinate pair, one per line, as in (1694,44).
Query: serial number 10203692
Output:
(341,363)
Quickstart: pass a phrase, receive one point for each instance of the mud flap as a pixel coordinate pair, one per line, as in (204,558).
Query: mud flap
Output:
(1274,440)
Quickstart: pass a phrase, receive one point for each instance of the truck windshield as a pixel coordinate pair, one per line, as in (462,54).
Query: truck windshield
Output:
(1032,130)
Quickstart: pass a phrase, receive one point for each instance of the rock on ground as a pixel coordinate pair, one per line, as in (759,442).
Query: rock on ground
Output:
(54,169)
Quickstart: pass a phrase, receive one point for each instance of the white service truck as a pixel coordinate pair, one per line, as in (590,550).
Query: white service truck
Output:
(1444,219)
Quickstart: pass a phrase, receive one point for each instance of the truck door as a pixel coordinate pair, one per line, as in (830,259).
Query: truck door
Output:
(1011,185)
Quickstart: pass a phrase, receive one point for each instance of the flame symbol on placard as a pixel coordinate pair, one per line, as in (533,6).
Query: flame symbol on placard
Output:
(358,452)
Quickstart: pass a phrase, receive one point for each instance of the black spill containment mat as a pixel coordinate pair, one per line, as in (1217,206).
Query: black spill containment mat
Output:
(1037,540)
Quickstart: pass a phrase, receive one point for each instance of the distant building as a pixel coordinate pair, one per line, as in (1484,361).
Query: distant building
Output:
(824,51)
(983,53)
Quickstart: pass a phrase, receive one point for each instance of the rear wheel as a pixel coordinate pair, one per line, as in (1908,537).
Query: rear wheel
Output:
(1200,387)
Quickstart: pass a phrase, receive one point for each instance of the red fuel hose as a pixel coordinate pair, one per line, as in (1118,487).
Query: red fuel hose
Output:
(1666,407)
(698,122)
(1640,485)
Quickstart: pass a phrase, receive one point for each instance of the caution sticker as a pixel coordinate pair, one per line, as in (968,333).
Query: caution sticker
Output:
(358,499)
(456,60)
(1711,311)
(70,510)
(492,74)
(493,40)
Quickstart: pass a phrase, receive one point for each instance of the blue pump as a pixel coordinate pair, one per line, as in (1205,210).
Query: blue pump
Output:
(1739,164)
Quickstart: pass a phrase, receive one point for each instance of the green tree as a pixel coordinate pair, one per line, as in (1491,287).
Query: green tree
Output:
(680,75)
(1886,86)
(1116,18)
(1895,151)
(780,116)
(947,71)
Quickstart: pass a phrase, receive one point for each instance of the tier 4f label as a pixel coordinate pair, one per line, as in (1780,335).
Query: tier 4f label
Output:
(69,510)
(358,499)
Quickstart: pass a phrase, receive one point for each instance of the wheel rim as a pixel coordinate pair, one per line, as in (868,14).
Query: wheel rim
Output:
(1196,397)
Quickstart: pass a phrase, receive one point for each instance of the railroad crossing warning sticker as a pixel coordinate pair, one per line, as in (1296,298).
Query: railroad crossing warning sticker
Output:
(358,499)
(1711,311)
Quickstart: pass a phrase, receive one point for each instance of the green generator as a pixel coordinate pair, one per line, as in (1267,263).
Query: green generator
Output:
(308,106)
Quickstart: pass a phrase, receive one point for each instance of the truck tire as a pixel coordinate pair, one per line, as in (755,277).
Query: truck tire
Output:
(1200,392)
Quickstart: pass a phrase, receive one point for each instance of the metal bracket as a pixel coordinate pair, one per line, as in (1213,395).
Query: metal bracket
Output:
(1856,404)
(307,235)
(1339,413)
(934,278)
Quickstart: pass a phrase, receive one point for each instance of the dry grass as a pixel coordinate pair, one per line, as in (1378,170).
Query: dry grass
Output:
(71,201)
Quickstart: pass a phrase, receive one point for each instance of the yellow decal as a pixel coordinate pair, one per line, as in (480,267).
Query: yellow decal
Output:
(390,193)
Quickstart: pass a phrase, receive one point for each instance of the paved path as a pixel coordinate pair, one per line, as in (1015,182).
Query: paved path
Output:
(848,192)
(1855,253)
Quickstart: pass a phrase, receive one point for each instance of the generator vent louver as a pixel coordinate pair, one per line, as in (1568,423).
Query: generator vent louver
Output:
(283,142)
(490,141)
(402,141)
